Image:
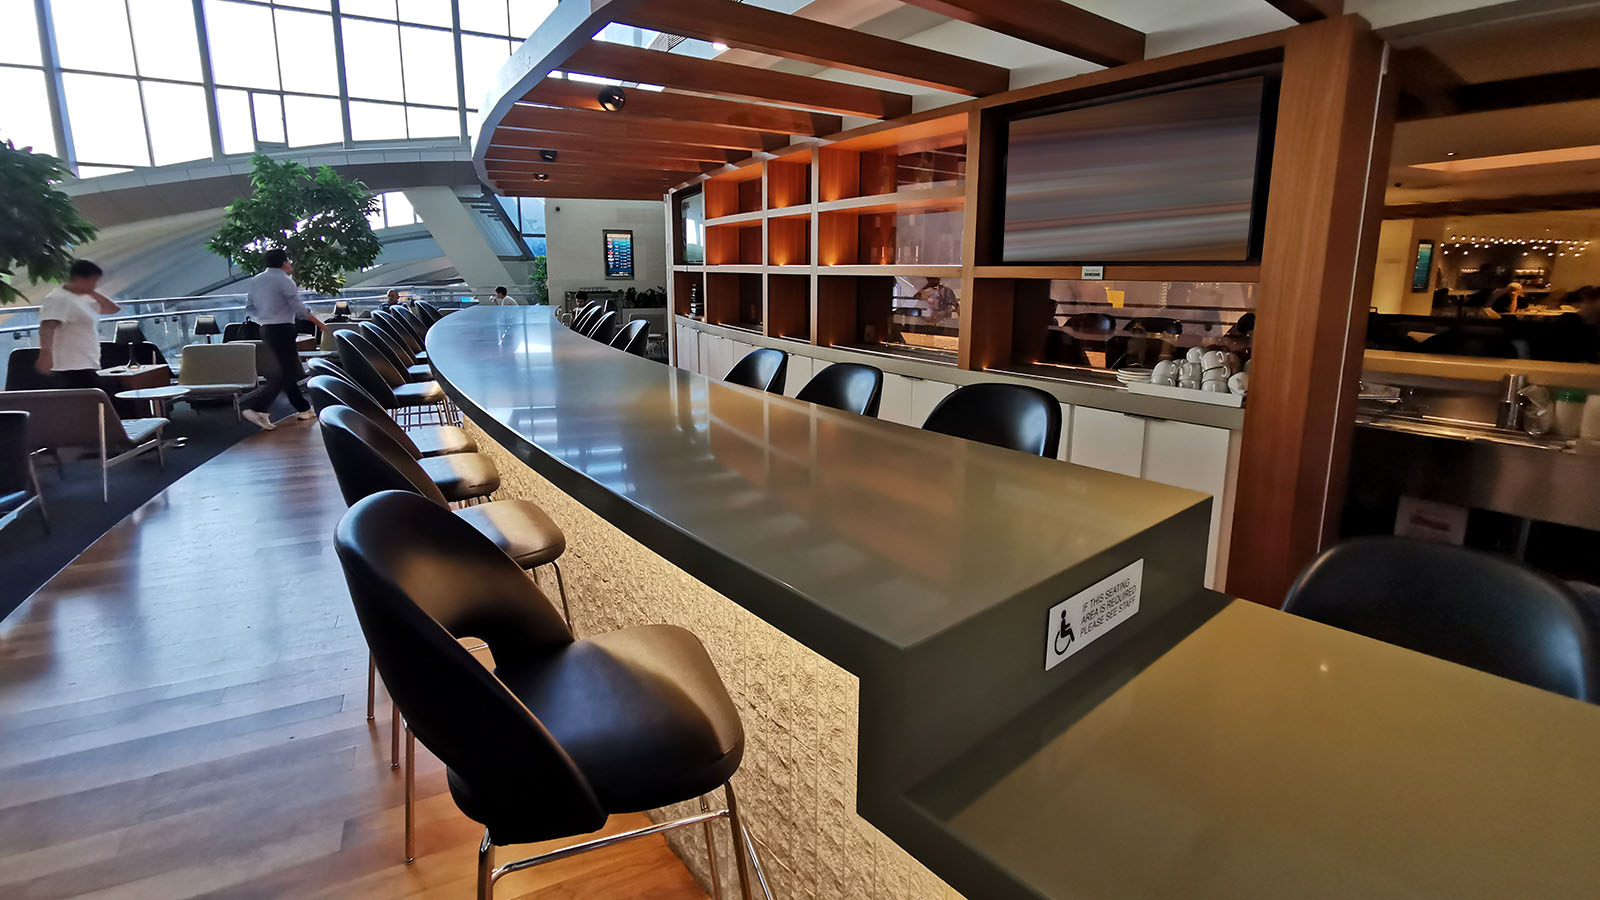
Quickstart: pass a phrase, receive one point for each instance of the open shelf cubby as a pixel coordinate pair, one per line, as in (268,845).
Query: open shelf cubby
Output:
(685,287)
(789,241)
(733,193)
(789,306)
(789,182)
(734,299)
(734,245)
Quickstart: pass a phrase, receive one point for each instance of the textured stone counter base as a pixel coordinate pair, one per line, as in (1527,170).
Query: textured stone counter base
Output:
(797,784)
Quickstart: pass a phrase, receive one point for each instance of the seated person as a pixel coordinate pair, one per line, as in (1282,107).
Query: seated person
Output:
(1508,300)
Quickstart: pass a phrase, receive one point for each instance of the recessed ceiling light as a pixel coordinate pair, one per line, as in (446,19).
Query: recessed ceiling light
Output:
(719,46)
(612,98)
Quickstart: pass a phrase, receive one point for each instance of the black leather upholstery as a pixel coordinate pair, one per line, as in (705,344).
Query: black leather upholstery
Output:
(632,337)
(1466,606)
(16,485)
(372,371)
(601,328)
(399,330)
(323,366)
(585,317)
(762,368)
(398,356)
(429,312)
(366,461)
(1006,415)
(462,476)
(417,327)
(439,440)
(571,731)
(851,387)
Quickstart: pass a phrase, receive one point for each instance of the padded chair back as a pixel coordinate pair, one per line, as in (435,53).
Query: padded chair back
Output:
(602,327)
(421,579)
(63,418)
(1154,325)
(22,373)
(362,362)
(218,364)
(1469,607)
(585,316)
(429,312)
(326,391)
(1005,415)
(241,331)
(851,387)
(367,460)
(412,321)
(14,452)
(632,337)
(129,332)
(762,368)
(397,329)
(386,344)
(322,366)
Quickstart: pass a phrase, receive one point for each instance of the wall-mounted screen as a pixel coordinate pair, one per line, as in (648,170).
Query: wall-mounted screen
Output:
(619,254)
(692,216)
(1176,176)
(1422,269)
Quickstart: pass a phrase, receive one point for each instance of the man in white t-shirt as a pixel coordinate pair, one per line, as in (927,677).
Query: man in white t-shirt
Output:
(69,316)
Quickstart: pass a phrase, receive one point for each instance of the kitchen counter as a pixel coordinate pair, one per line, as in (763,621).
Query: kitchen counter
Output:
(1201,747)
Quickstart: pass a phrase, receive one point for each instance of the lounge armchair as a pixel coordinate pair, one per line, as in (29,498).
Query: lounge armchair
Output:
(218,370)
(83,420)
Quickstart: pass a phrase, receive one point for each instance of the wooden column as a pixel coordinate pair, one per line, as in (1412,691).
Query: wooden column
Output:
(1332,149)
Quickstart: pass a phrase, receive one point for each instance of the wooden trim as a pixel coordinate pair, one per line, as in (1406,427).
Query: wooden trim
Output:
(1128,272)
(624,156)
(533,141)
(793,37)
(606,60)
(1048,23)
(687,108)
(1479,206)
(575,192)
(1335,119)
(620,127)
(1309,10)
(986,311)
(590,168)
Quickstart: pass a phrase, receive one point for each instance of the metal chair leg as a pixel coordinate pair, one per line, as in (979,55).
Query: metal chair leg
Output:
(411,796)
(738,839)
(486,868)
(394,736)
(561,587)
(711,852)
(372,685)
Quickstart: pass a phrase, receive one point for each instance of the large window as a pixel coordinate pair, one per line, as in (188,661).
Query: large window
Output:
(147,82)
(527,216)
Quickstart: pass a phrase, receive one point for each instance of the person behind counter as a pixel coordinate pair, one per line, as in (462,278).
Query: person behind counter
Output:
(1508,300)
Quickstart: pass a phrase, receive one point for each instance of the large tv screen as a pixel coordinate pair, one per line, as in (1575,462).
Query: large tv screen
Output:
(1176,176)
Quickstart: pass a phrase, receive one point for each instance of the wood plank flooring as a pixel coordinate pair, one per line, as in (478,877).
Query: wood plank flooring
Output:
(182,714)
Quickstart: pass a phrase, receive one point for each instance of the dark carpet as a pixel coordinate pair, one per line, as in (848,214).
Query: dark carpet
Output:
(78,517)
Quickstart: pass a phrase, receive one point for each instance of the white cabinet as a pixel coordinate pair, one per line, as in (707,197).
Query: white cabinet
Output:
(801,368)
(1065,448)
(688,348)
(1107,440)
(720,360)
(925,395)
(895,406)
(737,350)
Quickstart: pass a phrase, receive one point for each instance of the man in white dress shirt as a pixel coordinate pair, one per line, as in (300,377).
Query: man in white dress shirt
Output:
(69,345)
(274,301)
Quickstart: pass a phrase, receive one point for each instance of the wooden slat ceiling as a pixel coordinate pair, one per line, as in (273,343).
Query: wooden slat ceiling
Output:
(696,115)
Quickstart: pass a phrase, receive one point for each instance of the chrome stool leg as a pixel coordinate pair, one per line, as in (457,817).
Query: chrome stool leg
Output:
(711,852)
(394,735)
(372,682)
(561,587)
(740,848)
(486,874)
(411,796)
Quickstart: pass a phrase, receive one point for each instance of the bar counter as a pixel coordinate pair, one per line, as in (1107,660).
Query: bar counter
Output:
(880,599)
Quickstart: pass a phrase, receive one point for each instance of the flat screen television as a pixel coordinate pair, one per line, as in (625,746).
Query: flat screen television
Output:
(1174,176)
(692,221)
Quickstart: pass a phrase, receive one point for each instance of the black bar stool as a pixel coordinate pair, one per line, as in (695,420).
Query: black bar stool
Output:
(632,337)
(397,355)
(1469,607)
(1006,415)
(422,442)
(851,387)
(563,733)
(429,312)
(600,328)
(762,368)
(368,368)
(413,321)
(390,322)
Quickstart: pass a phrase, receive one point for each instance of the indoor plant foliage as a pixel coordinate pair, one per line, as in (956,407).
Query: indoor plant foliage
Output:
(39,226)
(539,280)
(318,217)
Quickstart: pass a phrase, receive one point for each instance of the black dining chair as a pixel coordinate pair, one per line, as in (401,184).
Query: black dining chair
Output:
(401,331)
(19,483)
(369,369)
(584,316)
(321,365)
(1013,416)
(248,330)
(465,477)
(763,368)
(412,321)
(397,355)
(428,312)
(602,327)
(429,440)
(562,733)
(632,337)
(1469,607)
(852,387)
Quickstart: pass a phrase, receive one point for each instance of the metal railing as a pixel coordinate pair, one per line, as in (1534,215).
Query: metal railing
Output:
(168,322)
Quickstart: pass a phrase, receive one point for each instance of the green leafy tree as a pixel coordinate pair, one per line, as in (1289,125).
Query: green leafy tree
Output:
(39,226)
(318,217)
(539,278)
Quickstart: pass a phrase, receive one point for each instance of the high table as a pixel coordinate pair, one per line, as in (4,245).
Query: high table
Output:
(964,669)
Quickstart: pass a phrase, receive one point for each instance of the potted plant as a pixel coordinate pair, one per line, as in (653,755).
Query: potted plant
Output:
(39,226)
(317,216)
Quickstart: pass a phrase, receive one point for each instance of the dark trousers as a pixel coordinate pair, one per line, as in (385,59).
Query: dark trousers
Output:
(280,340)
(76,378)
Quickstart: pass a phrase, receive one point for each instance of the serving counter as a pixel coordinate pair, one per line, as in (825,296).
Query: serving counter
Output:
(889,607)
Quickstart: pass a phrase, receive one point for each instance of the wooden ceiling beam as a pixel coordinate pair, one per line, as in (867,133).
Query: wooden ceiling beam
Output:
(527,144)
(1483,206)
(793,37)
(706,76)
(688,107)
(622,128)
(1048,23)
(1309,10)
(581,192)
(670,176)
(531,157)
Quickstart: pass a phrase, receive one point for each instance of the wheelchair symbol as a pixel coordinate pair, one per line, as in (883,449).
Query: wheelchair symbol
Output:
(1064,636)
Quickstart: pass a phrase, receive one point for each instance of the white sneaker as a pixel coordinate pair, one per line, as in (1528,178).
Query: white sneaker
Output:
(259,419)
(305,415)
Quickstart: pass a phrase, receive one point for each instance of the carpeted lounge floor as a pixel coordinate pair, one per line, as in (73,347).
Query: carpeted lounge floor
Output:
(78,517)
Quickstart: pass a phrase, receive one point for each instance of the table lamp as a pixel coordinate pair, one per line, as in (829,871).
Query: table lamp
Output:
(207,326)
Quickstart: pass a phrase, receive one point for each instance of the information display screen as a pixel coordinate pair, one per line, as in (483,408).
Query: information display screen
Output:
(619,254)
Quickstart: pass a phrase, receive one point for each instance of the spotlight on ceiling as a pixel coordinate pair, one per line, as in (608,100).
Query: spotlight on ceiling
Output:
(541,176)
(547,155)
(719,46)
(612,98)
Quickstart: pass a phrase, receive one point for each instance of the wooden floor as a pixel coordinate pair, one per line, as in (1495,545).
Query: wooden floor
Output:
(182,714)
